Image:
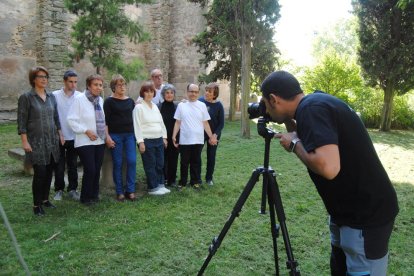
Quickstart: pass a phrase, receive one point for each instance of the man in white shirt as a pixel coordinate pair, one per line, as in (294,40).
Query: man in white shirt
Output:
(191,120)
(157,80)
(64,98)
(156,77)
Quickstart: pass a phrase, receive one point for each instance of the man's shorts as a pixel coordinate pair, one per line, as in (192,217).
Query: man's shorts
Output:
(366,250)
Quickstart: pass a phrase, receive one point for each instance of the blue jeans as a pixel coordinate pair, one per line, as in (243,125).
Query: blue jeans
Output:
(124,143)
(211,161)
(153,161)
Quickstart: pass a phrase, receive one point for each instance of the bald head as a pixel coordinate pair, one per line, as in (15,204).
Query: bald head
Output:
(192,92)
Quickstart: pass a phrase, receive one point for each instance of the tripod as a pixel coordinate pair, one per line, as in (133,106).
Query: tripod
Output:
(270,187)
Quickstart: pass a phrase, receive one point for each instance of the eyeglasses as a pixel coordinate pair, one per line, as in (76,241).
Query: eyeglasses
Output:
(42,77)
(193,91)
(121,85)
(157,76)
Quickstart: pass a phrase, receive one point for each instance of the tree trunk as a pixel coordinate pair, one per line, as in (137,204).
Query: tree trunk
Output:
(245,84)
(233,90)
(389,94)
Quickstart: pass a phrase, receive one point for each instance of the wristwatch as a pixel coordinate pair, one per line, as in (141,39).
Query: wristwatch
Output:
(293,144)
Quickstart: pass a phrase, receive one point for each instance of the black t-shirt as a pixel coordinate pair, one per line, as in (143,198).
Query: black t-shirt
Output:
(361,195)
(118,115)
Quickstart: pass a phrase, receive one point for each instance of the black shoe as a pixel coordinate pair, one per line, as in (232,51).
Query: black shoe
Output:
(48,204)
(38,211)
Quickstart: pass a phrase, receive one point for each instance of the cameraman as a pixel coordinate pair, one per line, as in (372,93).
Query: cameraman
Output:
(331,140)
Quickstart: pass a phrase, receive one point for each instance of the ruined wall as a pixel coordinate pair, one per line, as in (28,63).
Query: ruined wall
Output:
(37,32)
(17,51)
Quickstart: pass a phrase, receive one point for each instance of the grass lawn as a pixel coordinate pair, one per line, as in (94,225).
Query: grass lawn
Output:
(170,235)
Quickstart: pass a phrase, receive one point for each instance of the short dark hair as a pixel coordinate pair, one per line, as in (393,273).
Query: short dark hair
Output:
(33,73)
(69,74)
(115,80)
(215,87)
(282,84)
(93,77)
(147,86)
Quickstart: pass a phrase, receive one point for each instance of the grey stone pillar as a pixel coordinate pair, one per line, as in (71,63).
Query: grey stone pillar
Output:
(52,39)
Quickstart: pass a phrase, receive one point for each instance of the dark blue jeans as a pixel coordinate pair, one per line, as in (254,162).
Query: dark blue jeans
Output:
(124,146)
(68,158)
(91,158)
(190,157)
(153,161)
(211,161)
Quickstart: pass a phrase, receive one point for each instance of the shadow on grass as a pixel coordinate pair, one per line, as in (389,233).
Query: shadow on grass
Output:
(400,138)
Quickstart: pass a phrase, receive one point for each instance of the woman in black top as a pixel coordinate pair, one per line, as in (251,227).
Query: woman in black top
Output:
(167,109)
(39,128)
(121,138)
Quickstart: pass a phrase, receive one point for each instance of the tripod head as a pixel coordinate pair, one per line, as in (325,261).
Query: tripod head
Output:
(263,130)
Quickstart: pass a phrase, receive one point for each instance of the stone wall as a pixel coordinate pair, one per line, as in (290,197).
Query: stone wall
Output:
(37,32)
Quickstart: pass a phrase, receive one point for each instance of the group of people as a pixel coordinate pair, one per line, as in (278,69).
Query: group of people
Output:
(57,127)
(322,131)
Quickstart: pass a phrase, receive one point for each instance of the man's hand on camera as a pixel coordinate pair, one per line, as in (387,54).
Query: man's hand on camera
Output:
(286,138)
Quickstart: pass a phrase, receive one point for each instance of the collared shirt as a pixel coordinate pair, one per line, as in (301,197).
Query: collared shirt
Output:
(63,104)
(39,120)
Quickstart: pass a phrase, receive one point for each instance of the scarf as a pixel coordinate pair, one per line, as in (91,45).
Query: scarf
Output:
(99,115)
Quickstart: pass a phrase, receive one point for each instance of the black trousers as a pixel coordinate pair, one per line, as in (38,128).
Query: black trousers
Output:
(190,157)
(170,163)
(92,159)
(68,158)
(42,180)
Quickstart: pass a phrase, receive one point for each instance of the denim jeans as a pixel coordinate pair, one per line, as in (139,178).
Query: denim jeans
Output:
(211,161)
(124,146)
(91,157)
(68,158)
(153,161)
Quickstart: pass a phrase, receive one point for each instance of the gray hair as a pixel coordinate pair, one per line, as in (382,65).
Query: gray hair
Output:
(166,87)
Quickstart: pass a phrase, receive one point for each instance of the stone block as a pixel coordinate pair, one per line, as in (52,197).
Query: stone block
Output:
(20,155)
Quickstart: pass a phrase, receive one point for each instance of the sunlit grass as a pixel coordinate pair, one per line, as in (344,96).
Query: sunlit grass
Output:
(170,235)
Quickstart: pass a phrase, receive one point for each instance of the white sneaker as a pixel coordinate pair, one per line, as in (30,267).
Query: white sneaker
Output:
(210,183)
(157,192)
(74,195)
(58,195)
(165,190)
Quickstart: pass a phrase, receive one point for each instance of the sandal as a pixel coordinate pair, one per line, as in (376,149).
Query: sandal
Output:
(131,196)
(120,197)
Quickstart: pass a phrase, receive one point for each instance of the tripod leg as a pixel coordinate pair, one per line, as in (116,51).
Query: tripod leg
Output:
(274,230)
(235,213)
(264,193)
(276,201)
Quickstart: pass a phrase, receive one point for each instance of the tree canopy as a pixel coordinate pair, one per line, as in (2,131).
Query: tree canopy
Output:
(386,52)
(99,29)
(239,37)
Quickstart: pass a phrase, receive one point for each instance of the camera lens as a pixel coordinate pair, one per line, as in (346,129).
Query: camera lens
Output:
(257,110)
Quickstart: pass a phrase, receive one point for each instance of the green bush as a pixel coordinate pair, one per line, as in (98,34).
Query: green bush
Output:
(369,103)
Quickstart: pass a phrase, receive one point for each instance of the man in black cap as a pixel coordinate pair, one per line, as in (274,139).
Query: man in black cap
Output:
(331,140)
